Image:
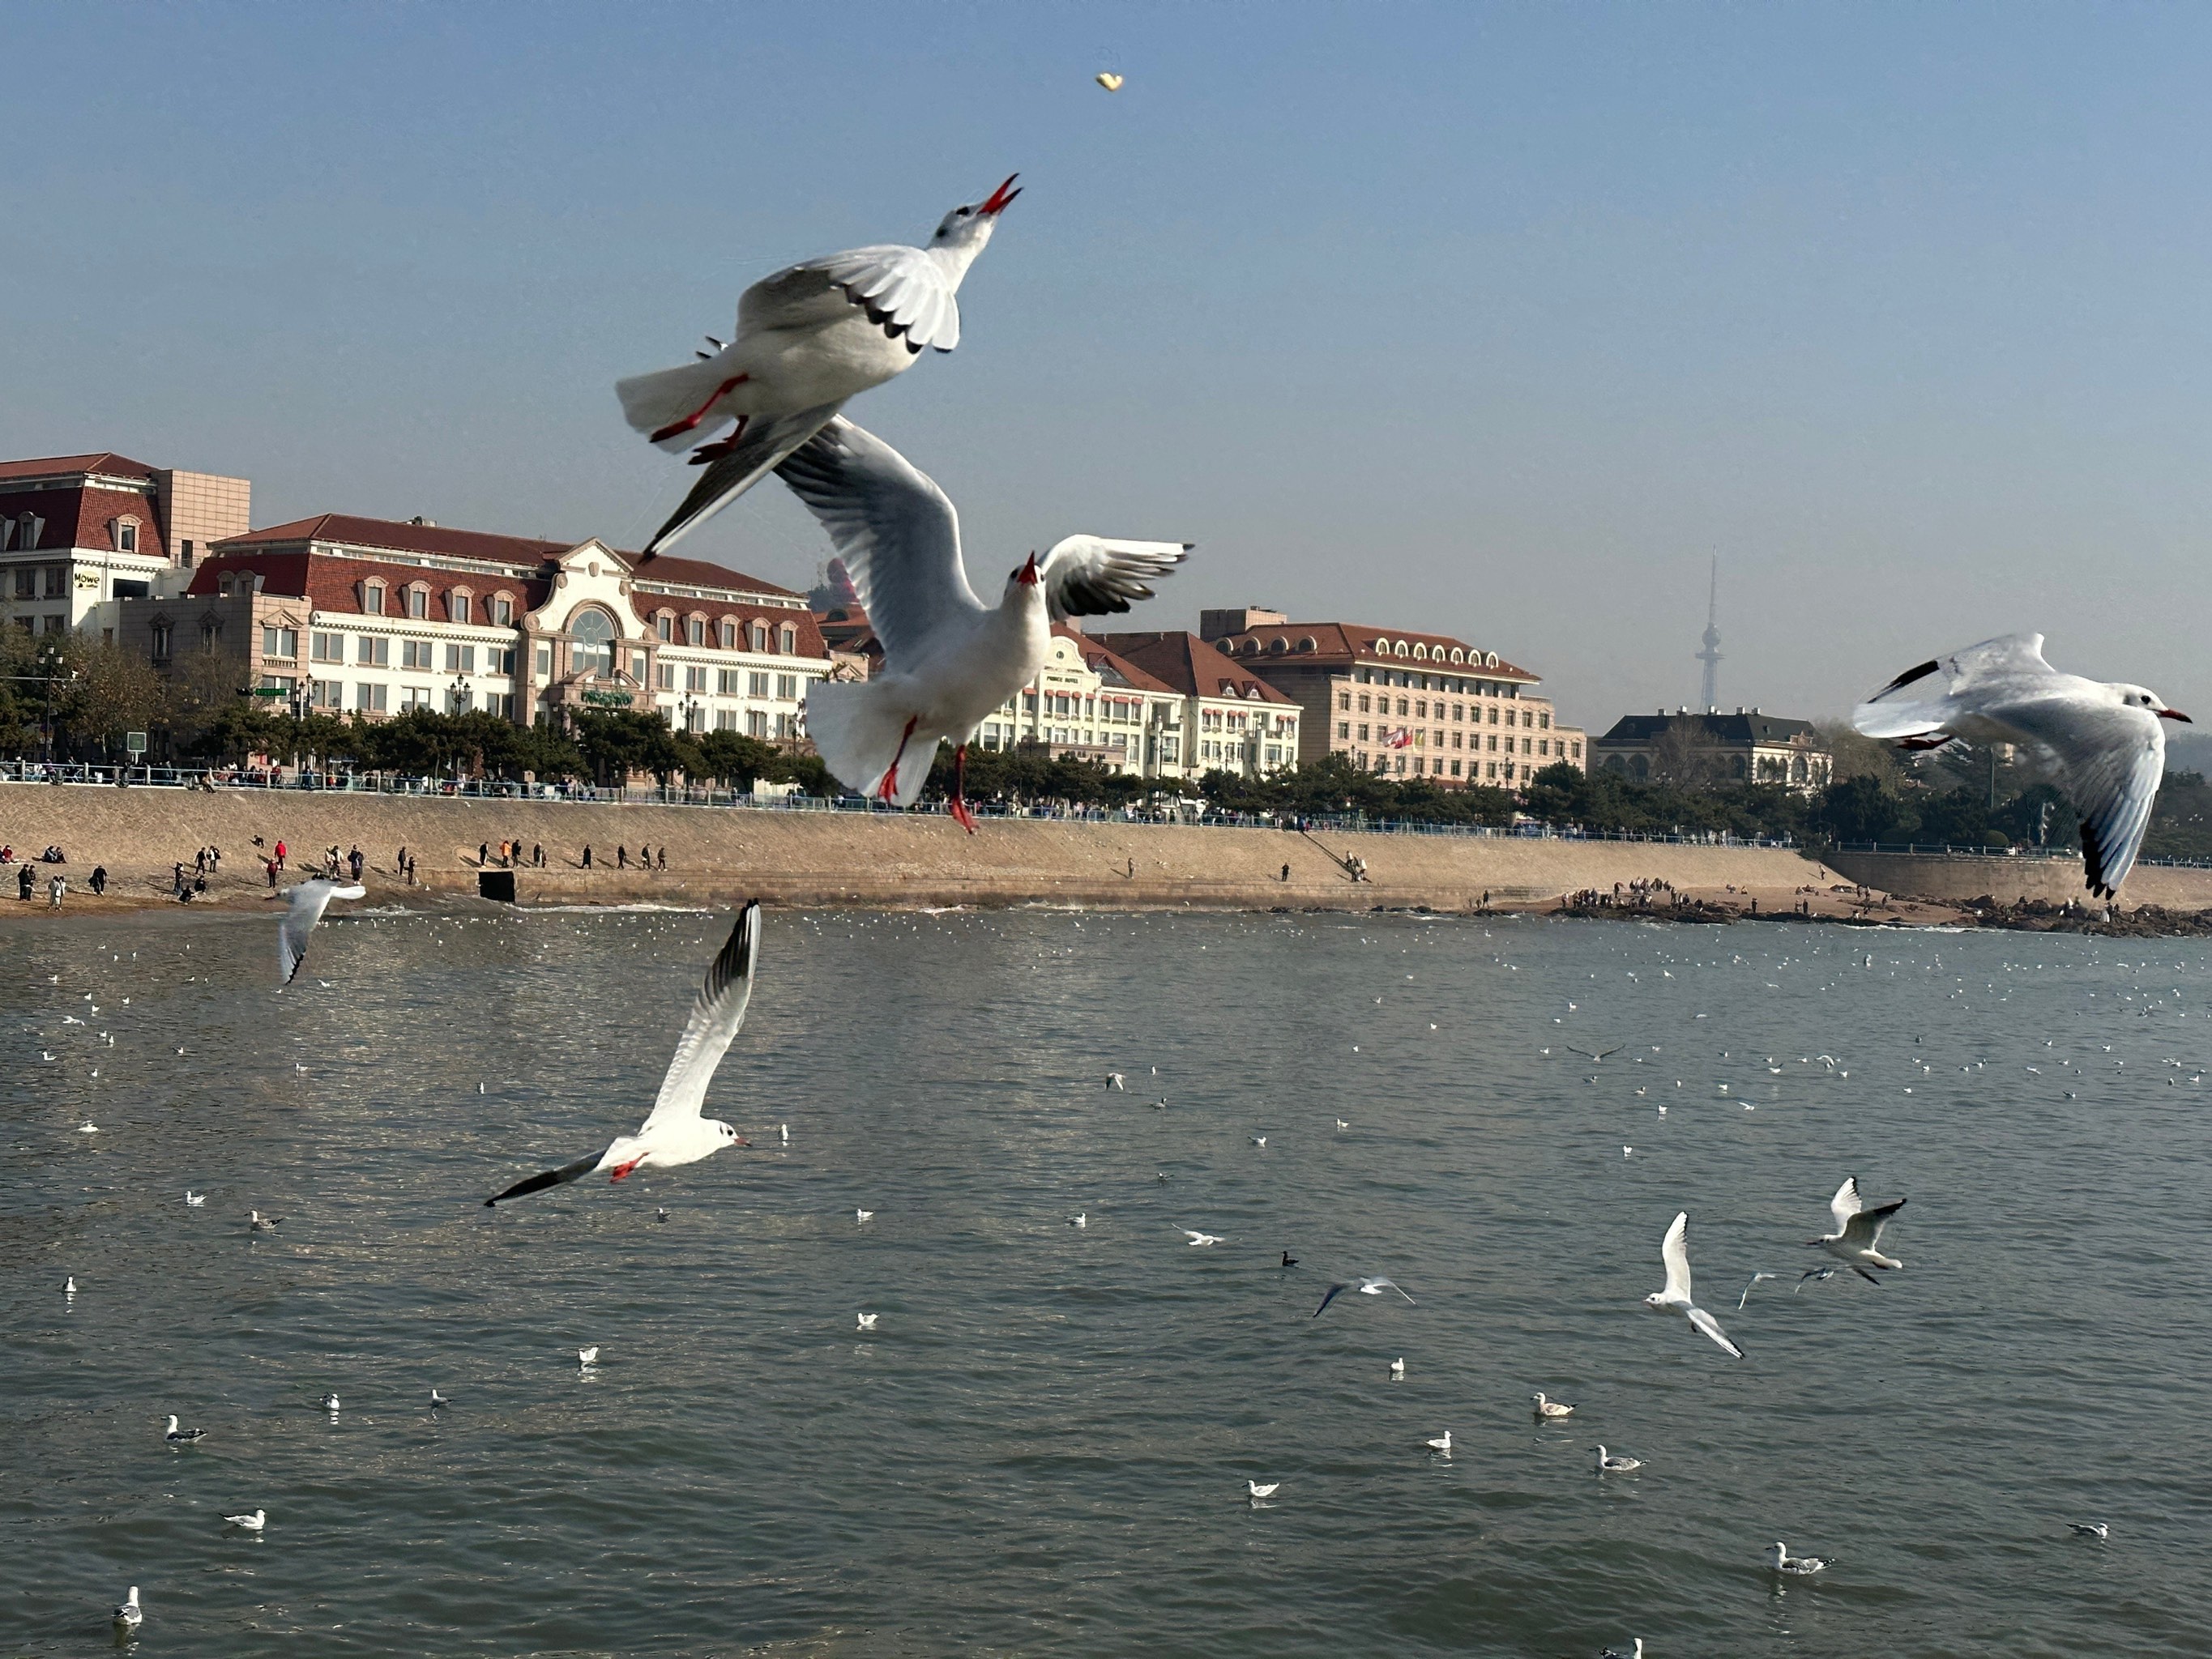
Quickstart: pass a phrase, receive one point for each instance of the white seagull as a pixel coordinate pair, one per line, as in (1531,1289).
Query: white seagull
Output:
(1080,1219)
(1609,1464)
(309,900)
(1115,1080)
(1398,1370)
(809,337)
(1441,1444)
(868,1322)
(2096,1529)
(1552,1408)
(1858,1231)
(437,1399)
(1675,1251)
(1364,1287)
(129,1616)
(863,1215)
(1615,1653)
(1198,1238)
(2103,743)
(588,1356)
(330,1403)
(1257,1490)
(1802,1566)
(177,1437)
(254,1522)
(257,1222)
(1754,1285)
(193,1200)
(949,659)
(674,1133)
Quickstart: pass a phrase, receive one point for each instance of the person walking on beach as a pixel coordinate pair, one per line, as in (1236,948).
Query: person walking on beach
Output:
(664,858)
(622,856)
(24,879)
(1286,872)
(536,855)
(273,867)
(280,858)
(99,880)
(177,877)
(355,862)
(199,865)
(587,855)
(55,889)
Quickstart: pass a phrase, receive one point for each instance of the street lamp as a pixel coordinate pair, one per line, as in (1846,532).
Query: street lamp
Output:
(457,695)
(686,706)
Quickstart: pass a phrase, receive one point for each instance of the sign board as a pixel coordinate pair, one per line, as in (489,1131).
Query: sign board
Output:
(269,692)
(135,742)
(608,699)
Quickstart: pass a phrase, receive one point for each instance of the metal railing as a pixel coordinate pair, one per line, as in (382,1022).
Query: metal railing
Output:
(1945,849)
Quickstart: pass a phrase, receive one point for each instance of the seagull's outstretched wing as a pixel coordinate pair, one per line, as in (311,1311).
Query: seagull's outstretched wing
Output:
(1863,1230)
(893,528)
(1711,1327)
(1929,698)
(716,1014)
(538,1183)
(309,900)
(1389,1284)
(1595,1054)
(1335,1290)
(1846,1203)
(902,289)
(2111,759)
(735,466)
(1675,1251)
(1091,575)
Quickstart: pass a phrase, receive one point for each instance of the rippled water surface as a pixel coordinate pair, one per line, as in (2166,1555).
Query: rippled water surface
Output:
(1044,1448)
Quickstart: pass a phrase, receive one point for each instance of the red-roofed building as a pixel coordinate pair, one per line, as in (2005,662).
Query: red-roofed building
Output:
(373,616)
(1233,719)
(79,531)
(1406,703)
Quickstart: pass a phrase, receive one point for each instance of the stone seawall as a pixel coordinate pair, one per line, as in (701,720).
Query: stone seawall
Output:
(719,855)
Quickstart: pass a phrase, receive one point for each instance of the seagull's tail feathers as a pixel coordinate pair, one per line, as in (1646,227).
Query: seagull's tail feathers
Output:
(669,396)
(735,464)
(863,731)
(538,1183)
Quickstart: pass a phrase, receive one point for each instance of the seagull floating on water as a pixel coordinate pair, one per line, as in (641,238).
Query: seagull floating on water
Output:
(254,1522)
(1675,1251)
(809,337)
(2103,743)
(1258,1491)
(1363,1287)
(438,1400)
(1441,1444)
(863,1215)
(588,1356)
(1802,1566)
(1398,1370)
(2096,1529)
(259,1223)
(177,1437)
(194,1199)
(950,661)
(1636,1652)
(1082,1218)
(330,1403)
(674,1133)
(1552,1408)
(129,1616)
(1858,1231)
(866,1321)
(309,902)
(1609,1464)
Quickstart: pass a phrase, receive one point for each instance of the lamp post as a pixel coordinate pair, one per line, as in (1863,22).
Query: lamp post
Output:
(457,696)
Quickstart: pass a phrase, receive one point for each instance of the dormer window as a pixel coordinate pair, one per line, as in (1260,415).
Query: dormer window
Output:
(126,535)
(695,631)
(760,636)
(418,602)
(457,604)
(502,610)
(790,641)
(729,635)
(664,625)
(372,598)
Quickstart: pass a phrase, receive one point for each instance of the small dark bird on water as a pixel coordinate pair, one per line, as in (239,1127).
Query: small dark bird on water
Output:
(1289,1261)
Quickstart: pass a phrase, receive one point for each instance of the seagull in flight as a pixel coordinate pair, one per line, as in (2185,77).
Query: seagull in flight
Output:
(1858,1231)
(1675,1251)
(1197,1238)
(1803,1565)
(1363,1287)
(309,902)
(949,659)
(1596,1054)
(674,1133)
(177,1437)
(1754,1285)
(809,337)
(2103,743)
(1115,1080)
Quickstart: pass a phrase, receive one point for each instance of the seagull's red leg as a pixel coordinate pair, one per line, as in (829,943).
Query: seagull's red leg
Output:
(699,414)
(622,1170)
(887,791)
(961,815)
(721,446)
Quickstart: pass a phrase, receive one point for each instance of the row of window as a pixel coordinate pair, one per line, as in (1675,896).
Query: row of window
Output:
(57,581)
(1423,766)
(1437,683)
(1424,738)
(1533,719)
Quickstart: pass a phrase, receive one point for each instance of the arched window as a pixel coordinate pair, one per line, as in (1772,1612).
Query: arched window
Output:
(418,600)
(502,610)
(664,624)
(1420,653)
(593,648)
(459,605)
(760,636)
(729,635)
(1456,654)
(1279,644)
(1401,647)
(1309,643)
(372,598)
(790,641)
(126,535)
(695,631)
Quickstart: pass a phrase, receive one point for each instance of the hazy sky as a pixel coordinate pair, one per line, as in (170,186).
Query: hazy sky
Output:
(1498,320)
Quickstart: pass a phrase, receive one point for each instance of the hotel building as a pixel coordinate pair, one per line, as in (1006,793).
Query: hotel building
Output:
(1406,704)
(370,616)
(79,531)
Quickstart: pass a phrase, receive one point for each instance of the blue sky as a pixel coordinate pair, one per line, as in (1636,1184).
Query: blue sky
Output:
(1495,320)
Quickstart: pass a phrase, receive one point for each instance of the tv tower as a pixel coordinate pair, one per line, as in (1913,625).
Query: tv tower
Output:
(1711,656)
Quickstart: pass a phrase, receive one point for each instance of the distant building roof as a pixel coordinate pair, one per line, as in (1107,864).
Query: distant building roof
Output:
(106,463)
(1186,664)
(1745,726)
(1343,644)
(1111,666)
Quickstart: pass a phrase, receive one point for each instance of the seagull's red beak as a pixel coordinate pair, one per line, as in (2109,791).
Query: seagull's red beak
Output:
(1027,576)
(2175,715)
(1001,197)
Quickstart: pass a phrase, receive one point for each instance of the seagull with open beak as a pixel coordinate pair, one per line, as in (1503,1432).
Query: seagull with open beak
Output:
(809,337)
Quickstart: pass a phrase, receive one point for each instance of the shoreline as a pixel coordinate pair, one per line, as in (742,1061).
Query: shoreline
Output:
(720,855)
